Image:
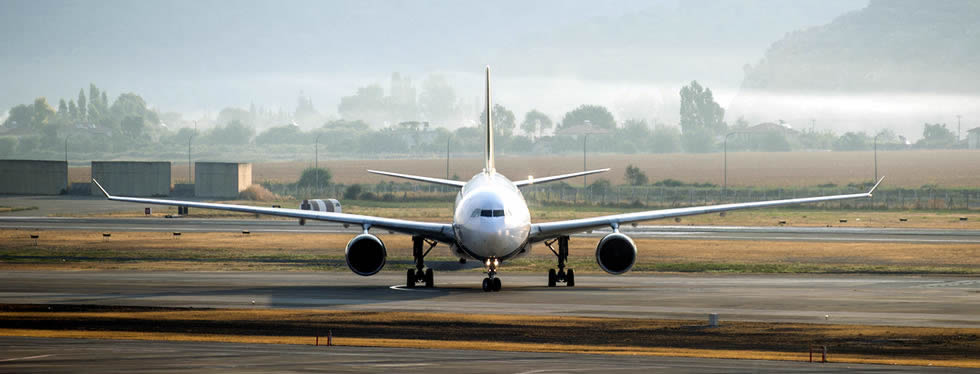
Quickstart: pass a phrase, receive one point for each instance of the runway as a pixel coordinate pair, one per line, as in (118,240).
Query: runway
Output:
(824,234)
(72,355)
(851,299)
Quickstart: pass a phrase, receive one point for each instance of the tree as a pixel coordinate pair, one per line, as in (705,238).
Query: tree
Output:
(353,192)
(853,141)
(72,110)
(701,118)
(42,113)
(288,134)
(437,100)
(600,187)
(665,139)
(635,176)
(234,133)
(82,105)
(314,177)
(62,109)
(936,136)
(368,104)
(598,116)
(229,114)
(20,116)
(535,122)
(503,120)
(132,126)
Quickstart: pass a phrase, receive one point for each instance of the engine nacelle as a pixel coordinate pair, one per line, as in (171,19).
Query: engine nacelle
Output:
(366,255)
(616,253)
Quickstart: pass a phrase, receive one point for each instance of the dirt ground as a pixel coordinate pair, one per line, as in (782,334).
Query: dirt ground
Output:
(911,169)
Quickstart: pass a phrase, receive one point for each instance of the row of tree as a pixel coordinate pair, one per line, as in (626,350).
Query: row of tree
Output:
(95,125)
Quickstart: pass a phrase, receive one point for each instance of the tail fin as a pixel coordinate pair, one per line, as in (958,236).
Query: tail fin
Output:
(488,152)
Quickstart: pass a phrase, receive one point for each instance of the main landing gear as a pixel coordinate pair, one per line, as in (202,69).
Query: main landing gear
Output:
(418,276)
(554,277)
(491,282)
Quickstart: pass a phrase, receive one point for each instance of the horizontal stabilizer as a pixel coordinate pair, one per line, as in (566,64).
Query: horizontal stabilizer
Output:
(444,182)
(531,181)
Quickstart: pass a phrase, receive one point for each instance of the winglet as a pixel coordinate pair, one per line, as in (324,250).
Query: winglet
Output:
(104,192)
(875,186)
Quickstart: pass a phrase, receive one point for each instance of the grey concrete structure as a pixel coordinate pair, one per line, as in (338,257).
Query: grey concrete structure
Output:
(221,179)
(132,178)
(33,177)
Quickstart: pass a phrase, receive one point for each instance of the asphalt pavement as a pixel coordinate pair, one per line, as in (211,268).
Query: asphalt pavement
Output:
(777,233)
(23,355)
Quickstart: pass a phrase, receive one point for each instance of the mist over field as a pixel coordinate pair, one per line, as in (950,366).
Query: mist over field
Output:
(834,74)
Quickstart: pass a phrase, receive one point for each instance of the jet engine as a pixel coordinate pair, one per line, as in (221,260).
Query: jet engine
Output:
(616,253)
(366,254)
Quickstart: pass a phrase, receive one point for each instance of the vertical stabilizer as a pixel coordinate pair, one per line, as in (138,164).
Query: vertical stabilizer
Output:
(488,151)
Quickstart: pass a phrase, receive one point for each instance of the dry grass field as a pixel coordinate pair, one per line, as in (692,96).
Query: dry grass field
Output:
(616,336)
(945,168)
(76,250)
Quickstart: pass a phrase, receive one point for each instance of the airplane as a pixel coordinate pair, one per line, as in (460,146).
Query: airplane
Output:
(491,224)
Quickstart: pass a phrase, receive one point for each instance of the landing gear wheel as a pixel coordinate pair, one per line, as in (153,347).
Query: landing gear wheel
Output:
(429,279)
(410,279)
(562,276)
(496,284)
(487,285)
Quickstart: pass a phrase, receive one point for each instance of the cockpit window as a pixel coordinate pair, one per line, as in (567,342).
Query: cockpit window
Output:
(498,213)
(486,213)
(476,213)
(490,213)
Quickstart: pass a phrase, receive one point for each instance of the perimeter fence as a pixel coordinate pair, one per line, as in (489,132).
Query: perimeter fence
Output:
(658,197)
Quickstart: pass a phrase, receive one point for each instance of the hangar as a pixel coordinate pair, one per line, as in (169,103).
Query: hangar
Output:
(221,179)
(33,177)
(133,178)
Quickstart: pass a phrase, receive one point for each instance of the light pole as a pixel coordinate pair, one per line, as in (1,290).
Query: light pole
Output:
(449,141)
(876,155)
(67,180)
(316,161)
(189,138)
(585,143)
(725,185)
(957,129)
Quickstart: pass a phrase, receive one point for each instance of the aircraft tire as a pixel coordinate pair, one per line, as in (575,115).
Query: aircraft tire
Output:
(552,278)
(497,285)
(429,279)
(570,278)
(410,279)
(487,287)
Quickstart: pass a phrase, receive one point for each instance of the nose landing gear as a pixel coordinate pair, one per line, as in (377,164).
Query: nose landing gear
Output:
(420,275)
(560,276)
(491,282)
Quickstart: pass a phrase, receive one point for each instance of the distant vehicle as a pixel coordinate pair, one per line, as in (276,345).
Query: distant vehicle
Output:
(491,224)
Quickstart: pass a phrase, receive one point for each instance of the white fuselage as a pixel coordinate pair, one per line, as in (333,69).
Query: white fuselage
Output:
(491,219)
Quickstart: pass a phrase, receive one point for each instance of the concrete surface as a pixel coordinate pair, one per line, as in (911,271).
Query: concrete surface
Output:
(220,179)
(850,299)
(132,178)
(33,177)
(109,356)
(822,234)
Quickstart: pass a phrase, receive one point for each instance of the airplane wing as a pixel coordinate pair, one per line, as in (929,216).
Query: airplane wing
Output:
(530,181)
(549,230)
(435,231)
(445,182)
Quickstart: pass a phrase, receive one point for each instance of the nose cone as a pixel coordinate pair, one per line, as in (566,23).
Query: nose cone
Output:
(492,237)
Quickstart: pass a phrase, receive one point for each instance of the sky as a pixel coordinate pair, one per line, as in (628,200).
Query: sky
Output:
(200,56)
